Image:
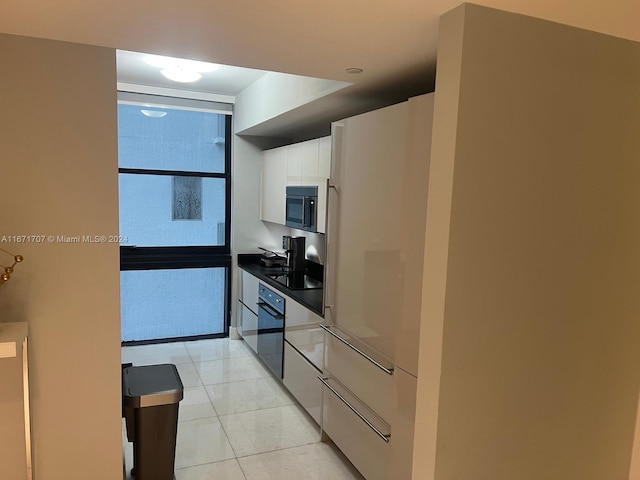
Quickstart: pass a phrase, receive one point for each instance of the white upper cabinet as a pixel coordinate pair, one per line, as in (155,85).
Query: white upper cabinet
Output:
(274,182)
(324,157)
(304,163)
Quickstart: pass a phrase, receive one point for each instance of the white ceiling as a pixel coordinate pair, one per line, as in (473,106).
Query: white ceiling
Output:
(226,80)
(394,41)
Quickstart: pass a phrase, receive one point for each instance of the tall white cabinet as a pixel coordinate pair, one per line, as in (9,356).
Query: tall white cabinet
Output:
(377,218)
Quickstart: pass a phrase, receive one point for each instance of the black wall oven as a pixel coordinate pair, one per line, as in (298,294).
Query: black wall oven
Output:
(301,207)
(270,348)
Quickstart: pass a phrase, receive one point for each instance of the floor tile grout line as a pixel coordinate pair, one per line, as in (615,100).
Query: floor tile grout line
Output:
(277,450)
(213,463)
(257,409)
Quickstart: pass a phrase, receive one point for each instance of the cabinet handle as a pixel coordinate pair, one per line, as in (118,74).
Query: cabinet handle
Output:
(383,436)
(273,313)
(388,371)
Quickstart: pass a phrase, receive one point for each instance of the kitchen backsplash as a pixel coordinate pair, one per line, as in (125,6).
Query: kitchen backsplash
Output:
(315,243)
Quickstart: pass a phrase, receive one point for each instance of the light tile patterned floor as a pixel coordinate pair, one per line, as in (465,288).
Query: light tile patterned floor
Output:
(236,421)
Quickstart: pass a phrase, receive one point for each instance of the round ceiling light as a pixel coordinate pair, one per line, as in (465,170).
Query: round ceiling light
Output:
(182,75)
(180,70)
(354,70)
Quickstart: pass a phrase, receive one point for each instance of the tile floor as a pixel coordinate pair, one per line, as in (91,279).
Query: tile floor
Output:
(236,421)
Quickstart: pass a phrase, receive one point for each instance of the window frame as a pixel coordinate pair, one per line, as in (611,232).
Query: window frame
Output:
(178,257)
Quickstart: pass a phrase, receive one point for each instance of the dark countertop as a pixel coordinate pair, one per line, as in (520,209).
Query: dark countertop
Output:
(312,299)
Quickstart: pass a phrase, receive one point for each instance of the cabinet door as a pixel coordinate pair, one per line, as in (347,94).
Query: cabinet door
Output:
(274,181)
(324,157)
(248,326)
(308,152)
(294,164)
(356,431)
(249,291)
(302,163)
(301,379)
(324,172)
(302,331)
(366,247)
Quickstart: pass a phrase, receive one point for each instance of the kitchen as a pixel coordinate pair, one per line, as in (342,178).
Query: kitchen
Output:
(498,397)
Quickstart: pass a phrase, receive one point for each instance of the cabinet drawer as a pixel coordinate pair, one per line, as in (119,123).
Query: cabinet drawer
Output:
(301,379)
(369,452)
(249,290)
(309,342)
(359,369)
(249,326)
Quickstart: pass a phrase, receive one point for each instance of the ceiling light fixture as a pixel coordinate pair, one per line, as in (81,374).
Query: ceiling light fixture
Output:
(178,74)
(180,70)
(353,70)
(153,113)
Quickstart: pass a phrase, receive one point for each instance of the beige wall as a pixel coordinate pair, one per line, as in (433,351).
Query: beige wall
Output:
(59,177)
(540,358)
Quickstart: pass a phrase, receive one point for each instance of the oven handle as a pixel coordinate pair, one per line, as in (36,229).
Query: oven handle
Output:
(327,328)
(270,310)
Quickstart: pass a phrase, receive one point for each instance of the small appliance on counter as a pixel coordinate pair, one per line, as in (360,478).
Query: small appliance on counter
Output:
(295,249)
(272,259)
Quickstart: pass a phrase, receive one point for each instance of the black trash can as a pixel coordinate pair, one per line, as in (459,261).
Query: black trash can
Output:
(150,396)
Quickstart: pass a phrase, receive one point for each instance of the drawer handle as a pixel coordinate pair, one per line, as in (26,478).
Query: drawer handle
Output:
(383,436)
(388,371)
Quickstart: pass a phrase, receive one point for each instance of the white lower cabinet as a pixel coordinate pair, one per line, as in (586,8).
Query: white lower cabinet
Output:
(357,431)
(301,379)
(248,326)
(349,365)
(368,407)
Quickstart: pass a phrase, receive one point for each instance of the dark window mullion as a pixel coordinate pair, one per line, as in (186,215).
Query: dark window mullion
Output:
(172,173)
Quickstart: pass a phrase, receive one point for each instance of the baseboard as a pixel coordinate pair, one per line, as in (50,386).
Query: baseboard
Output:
(233,334)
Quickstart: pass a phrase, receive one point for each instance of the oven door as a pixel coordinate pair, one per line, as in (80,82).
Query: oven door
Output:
(271,337)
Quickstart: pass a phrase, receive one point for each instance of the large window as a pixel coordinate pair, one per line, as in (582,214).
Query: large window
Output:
(174,187)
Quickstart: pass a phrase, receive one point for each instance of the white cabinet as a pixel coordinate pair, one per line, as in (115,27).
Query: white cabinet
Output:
(367,374)
(249,290)
(304,163)
(303,346)
(375,245)
(301,379)
(324,157)
(274,182)
(303,357)
(324,172)
(375,249)
(360,434)
(247,308)
(302,330)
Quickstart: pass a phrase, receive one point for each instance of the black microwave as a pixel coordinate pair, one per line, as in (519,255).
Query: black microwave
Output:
(301,207)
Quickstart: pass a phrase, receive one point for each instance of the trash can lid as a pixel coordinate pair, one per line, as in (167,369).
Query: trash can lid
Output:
(151,385)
